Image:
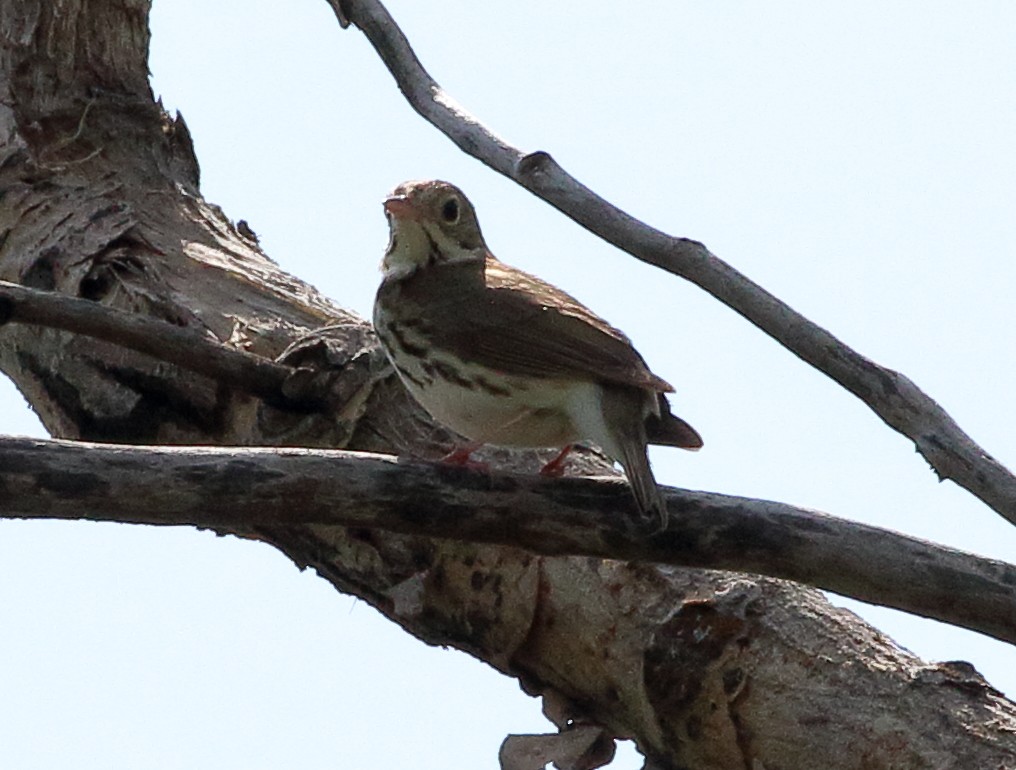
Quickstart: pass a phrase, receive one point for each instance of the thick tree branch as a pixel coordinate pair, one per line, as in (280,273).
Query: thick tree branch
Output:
(231,488)
(892,396)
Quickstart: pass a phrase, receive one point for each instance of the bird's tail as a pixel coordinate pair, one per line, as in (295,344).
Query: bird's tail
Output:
(650,500)
(667,429)
(625,441)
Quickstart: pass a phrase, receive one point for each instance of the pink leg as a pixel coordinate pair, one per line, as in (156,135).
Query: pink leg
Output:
(461,456)
(555,467)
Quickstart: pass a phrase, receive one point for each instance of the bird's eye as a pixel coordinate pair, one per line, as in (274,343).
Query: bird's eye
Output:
(450,211)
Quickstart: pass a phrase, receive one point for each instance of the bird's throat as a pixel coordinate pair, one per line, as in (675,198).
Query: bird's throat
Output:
(414,245)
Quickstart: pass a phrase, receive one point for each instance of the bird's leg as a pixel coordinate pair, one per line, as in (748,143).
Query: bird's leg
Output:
(461,456)
(555,467)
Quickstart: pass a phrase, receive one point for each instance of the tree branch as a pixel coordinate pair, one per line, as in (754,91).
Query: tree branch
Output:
(222,487)
(892,396)
(186,347)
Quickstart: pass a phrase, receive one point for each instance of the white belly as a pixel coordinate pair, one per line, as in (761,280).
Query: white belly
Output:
(530,418)
(509,411)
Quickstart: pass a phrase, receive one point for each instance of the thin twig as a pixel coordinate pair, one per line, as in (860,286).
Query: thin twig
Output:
(241,488)
(892,396)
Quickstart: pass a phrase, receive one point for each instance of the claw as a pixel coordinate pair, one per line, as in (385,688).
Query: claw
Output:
(460,456)
(555,468)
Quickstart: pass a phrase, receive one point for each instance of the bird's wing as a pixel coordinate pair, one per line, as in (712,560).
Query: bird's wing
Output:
(515,323)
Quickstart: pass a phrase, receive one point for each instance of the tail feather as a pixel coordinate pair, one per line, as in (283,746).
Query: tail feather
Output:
(650,500)
(621,433)
(667,429)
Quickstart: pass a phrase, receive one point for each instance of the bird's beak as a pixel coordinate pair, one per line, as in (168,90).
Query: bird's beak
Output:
(399,207)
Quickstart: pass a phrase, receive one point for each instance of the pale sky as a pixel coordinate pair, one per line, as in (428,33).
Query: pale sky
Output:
(856,160)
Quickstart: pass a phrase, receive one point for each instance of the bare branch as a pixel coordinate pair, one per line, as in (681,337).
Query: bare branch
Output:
(222,487)
(185,347)
(892,396)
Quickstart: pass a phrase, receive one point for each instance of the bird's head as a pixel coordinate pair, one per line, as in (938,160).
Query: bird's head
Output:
(431,222)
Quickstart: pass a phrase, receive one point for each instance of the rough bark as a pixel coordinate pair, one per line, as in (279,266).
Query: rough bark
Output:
(703,669)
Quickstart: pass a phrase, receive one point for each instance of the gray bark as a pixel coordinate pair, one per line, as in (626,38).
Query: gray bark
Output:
(703,669)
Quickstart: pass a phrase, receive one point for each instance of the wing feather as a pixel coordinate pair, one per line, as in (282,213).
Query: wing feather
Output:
(514,323)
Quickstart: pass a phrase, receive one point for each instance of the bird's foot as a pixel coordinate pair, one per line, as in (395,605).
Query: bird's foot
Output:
(461,457)
(555,468)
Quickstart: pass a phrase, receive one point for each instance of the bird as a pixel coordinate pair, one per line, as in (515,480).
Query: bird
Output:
(504,358)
